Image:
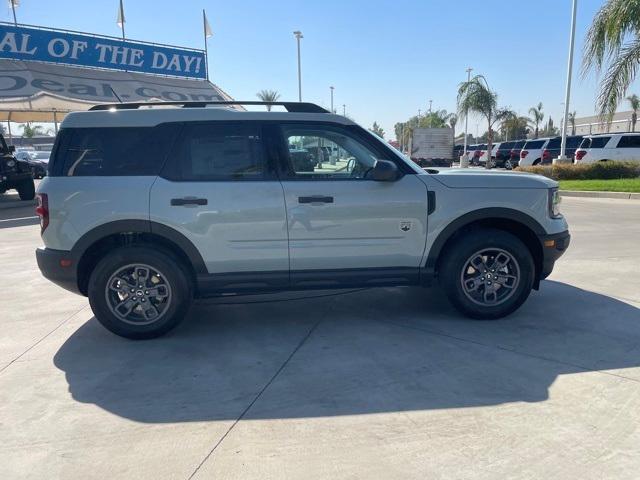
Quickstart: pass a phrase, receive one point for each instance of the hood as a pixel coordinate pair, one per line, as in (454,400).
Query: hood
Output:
(480,178)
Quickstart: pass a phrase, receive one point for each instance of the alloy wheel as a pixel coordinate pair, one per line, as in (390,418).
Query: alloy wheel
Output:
(490,277)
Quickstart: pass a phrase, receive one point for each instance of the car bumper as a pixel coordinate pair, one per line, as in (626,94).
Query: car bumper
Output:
(553,247)
(59,267)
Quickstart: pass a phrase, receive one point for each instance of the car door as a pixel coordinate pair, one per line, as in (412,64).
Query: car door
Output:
(220,191)
(344,227)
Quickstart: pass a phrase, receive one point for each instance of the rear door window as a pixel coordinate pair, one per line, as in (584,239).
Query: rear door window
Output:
(534,144)
(219,151)
(120,151)
(599,142)
(554,143)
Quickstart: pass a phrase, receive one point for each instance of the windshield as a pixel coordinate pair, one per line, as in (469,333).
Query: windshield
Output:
(41,155)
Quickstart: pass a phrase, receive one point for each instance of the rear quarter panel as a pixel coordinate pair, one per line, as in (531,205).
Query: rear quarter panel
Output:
(79,204)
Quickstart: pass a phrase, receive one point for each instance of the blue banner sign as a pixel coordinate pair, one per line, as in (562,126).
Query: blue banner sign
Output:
(28,43)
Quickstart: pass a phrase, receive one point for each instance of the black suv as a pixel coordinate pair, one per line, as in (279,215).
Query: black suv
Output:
(552,150)
(15,173)
(503,155)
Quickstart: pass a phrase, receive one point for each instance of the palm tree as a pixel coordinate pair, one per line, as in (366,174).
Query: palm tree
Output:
(377,129)
(453,120)
(476,96)
(268,96)
(634,102)
(538,116)
(572,122)
(613,45)
(29,132)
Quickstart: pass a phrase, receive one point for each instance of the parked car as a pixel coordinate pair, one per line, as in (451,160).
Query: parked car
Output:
(14,173)
(531,153)
(515,152)
(502,156)
(552,148)
(302,159)
(616,146)
(195,202)
(38,161)
(479,153)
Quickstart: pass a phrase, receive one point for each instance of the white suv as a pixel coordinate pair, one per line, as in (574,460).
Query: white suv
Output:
(145,209)
(531,153)
(615,146)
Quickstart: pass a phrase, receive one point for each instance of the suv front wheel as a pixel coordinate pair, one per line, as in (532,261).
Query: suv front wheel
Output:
(139,293)
(487,273)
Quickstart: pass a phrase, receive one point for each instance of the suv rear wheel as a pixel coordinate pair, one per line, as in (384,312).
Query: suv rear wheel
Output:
(487,274)
(139,293)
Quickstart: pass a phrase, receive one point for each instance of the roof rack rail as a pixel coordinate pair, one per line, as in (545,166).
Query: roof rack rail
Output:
(298,107)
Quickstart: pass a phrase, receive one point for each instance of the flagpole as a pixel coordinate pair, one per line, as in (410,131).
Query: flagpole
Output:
(13,8)
(206,49)
(122,18)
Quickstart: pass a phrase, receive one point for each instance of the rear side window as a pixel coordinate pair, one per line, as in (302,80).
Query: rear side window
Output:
(534,144)
(120,151)
(519,145)
(629,141)
(598,142)
(554,143)
(216,151)
(506,146)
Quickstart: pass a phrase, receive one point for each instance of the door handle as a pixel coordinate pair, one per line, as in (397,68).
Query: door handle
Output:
(315,199)
(181,202)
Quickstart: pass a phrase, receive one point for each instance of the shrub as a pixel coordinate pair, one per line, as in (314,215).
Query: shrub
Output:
(589,171)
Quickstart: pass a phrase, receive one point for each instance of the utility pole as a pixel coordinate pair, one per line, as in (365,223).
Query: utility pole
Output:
(563,143)
(298,35)
(344,110)
(466,116)
(430,117)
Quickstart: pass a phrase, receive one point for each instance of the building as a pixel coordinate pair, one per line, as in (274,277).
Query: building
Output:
(590,125)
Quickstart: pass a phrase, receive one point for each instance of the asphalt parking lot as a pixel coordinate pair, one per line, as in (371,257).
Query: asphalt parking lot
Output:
(372,384)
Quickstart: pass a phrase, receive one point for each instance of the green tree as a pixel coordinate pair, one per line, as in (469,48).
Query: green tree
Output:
(29,132)
(476,96)
(536,117)
(634,103)
(377,129)
(612,46)
(268,96)
(572,121)
(453,120)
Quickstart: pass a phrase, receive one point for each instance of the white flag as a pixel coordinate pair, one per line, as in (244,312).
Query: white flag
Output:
(121,19)
(207,28)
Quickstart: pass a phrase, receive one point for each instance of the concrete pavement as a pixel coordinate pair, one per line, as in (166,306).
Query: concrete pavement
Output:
(375,383)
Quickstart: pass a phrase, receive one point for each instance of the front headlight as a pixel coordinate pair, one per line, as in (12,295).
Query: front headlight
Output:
(554,203)
(11,163)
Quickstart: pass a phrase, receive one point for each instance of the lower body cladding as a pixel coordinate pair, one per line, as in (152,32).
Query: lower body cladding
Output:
(60,267)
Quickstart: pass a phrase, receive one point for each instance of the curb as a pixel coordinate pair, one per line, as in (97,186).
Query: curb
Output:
(586,194)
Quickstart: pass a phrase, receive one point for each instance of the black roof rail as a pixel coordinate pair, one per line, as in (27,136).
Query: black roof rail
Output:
(298,107)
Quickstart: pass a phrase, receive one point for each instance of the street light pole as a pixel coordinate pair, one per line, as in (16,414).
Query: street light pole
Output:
(13,9)
(563,143)
(430,117)
(344,110)
(466,116)
(298,35)
(332,110)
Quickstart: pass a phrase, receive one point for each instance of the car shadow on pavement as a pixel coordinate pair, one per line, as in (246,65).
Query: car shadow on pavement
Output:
(369,351)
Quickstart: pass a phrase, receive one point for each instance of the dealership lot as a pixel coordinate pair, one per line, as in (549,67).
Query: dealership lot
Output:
(372,383)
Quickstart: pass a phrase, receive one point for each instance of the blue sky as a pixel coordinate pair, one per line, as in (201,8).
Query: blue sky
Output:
(385,58)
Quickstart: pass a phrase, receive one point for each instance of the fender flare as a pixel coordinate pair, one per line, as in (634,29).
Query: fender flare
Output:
(474,216)
(140,226)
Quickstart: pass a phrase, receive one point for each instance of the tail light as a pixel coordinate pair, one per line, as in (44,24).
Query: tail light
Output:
(546,154)
(580,154)
(513,153)
(524,153)
(42,210)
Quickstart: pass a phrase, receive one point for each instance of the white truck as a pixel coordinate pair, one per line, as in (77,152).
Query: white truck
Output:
(432,147)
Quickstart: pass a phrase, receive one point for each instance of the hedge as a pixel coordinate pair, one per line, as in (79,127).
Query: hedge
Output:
(589,171)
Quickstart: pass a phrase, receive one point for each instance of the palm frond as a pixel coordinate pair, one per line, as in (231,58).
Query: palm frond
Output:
(619,76)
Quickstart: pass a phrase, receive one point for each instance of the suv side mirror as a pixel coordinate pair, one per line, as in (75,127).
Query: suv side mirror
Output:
(384,171)
(12,148)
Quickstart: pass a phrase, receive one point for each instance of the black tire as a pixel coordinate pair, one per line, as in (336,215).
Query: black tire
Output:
(27,189)
(535,162)
(455,261)
(173,273)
